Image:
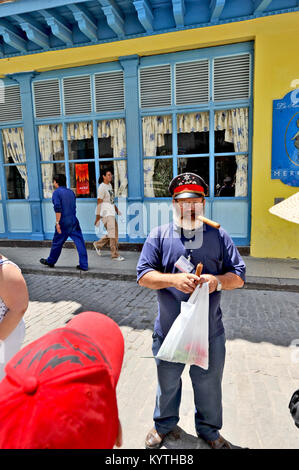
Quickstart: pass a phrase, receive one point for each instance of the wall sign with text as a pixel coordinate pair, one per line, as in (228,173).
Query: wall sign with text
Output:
(285,139)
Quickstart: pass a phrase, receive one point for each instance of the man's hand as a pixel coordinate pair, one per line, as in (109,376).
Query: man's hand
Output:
(185,282)
(213,282)
(58,229)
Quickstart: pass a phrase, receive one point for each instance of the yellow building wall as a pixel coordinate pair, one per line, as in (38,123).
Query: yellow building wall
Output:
(276,66)
(275,70)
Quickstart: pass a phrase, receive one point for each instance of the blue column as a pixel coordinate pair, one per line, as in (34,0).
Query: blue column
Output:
(24,79)
(133,127)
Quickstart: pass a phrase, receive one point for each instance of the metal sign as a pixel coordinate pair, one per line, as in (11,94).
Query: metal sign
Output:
(285,139)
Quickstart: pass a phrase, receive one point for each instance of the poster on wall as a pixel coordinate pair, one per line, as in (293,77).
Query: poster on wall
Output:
(285,139)
(82,178)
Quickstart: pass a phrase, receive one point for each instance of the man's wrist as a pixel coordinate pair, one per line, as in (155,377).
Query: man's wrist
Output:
(219,284)
(57,223)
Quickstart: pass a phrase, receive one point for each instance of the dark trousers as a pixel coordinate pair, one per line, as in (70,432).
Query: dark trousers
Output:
(206,388)
(74,232)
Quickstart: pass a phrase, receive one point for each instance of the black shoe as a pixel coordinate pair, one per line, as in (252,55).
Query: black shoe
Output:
(45,262)
(81,269)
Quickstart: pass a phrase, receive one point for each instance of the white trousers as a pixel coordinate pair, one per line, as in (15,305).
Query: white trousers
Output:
(11,345)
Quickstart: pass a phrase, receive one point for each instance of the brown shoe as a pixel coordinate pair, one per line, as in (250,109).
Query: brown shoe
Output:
(154,439)
(220,443)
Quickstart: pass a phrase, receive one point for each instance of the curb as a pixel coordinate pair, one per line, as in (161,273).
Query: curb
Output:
(286,285)
(123,246)
(80,274)
(251,285)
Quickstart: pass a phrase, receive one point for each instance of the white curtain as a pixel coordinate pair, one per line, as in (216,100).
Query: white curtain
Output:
(116,129)
(50,138)
(235,124)
(79,131)
(153,128)
(13,145)
(193,122)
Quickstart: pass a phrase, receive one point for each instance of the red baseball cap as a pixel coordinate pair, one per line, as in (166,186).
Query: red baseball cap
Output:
(59,391)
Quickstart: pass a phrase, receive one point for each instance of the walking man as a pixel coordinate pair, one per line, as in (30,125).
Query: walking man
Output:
(67,224)
(169,246)
(106,210)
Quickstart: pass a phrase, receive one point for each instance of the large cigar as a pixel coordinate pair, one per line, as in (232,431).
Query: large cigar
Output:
(199,269)
(209,222)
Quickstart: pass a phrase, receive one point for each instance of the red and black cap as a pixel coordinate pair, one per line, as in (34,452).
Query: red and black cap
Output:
(187,185)
(59,391)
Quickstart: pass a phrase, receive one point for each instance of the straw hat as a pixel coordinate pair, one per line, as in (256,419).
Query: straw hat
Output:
(287,209)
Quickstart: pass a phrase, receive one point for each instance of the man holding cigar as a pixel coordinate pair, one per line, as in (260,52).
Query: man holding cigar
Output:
(180,246)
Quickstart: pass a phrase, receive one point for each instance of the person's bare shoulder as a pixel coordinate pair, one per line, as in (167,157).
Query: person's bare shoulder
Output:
(12,282)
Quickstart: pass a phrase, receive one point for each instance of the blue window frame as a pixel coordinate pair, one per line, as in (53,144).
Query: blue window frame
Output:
(216,161)
(96,150)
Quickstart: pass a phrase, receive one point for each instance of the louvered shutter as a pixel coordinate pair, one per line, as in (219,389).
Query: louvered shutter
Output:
(46,95)
(10,104)
(232,77)
(155,86)
(192,82)
(77,95)
(109,91)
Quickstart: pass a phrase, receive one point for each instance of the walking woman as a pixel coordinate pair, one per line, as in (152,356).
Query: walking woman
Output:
(13,304)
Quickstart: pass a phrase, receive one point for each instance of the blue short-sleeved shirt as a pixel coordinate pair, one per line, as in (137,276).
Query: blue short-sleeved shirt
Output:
(64,201)
(161,250)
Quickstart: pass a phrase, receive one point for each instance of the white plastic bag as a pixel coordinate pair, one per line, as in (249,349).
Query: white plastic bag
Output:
(100,229)
(188,338)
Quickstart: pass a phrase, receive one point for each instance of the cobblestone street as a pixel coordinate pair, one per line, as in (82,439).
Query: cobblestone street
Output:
(260,372)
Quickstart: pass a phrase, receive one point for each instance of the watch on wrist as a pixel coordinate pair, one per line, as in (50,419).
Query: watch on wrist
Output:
(57,223)
(219,285)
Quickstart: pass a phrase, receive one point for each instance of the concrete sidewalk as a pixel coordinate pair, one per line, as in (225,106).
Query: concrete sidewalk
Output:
(262,273)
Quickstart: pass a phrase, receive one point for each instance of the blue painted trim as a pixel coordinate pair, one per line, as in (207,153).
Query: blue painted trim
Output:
(216,7)
(250,143)
(134,150)
(178,7)
(34,31)
(197,54)
(211,182)
(221,105)
(115,19)
(33,174)
(23,6)
(77,118)
(20,236)
(9,124)
(14,164)
(58,27)
(145,14)
(261,7)
(3,186)
(12,37)
(85,22)
(146,18)
(84,69)
(241,241)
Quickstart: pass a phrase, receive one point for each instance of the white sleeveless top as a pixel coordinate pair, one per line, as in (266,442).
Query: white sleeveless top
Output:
(3,308)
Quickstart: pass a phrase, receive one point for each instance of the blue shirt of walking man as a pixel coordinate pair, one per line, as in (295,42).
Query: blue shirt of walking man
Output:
(67,224)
